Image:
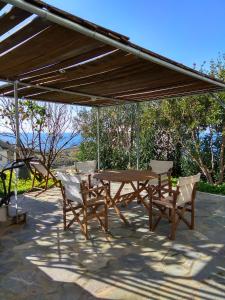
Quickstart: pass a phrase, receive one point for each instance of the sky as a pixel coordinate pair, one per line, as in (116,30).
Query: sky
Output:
(187,31)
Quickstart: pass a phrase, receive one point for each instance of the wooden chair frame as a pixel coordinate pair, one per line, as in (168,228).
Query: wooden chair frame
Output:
(173,212)
(163,184)
(88,210)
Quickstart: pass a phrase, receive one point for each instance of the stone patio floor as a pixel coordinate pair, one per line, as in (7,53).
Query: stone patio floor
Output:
(41,261)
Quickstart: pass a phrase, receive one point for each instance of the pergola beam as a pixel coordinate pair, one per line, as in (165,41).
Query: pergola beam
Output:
(51,89)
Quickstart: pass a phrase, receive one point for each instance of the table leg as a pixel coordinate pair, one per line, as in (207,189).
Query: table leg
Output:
(137,192)
(114,200)
(138,185)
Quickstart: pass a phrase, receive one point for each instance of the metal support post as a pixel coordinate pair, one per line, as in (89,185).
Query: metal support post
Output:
(98,138)
(138,135)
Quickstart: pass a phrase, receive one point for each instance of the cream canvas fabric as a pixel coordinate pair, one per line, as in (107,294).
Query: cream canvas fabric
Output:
(186,185)
(161,166)
(39,167)
(71,184)
(88,166)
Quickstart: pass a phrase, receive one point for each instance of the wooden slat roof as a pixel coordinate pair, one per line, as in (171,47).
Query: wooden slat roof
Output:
(55,63)
(12,18)
(2,4)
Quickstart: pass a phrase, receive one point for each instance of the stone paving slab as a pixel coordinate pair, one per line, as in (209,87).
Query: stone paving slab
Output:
(41,261)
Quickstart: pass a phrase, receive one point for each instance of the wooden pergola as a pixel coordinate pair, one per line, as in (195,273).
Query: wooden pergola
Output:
(50,55)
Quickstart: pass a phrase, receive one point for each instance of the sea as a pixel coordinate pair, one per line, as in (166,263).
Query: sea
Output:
(6,137)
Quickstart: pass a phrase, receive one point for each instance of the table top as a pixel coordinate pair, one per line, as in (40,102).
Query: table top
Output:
(125,175)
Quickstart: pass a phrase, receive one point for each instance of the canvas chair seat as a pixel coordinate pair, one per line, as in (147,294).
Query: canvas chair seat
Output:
(167,202)
(97,205)
(90,202)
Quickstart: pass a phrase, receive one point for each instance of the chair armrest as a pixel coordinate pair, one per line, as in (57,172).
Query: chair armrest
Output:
(170,191)
(173,193)
(164,189)
(92,194)
(96,189)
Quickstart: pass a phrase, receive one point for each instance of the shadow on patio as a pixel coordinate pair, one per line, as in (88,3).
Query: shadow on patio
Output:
(41,261)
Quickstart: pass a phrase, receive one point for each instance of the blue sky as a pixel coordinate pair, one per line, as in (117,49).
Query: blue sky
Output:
(188,31)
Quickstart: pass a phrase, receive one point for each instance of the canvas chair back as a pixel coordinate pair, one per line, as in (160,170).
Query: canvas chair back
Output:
(39,167)
(88,166)
(187,188)
(161,166)
(72,186)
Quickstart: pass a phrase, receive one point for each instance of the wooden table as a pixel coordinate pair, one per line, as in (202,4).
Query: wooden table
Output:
(126,177)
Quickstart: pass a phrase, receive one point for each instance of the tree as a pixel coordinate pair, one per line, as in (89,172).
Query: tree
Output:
(45,128)
(156,136)
(198,124)
(117,136)
(188,130)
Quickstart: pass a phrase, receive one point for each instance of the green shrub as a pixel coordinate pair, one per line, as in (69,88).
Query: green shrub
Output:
(206,187)
(210,188)
(22,184)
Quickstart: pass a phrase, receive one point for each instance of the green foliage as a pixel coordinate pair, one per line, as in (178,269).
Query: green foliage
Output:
(210,188)
(87,151)
(22,185)
(206,187)
(117,137)
(188,166)
(197,123)
(188,130)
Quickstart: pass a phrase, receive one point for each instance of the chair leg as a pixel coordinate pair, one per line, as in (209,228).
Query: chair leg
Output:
(161,213)
(33,181)
(101,223)
(64,216)
(150,216)
(85,225)
(173,224)
(169,215)
(138,187)
(106,218)
(46,183)
(192,217)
